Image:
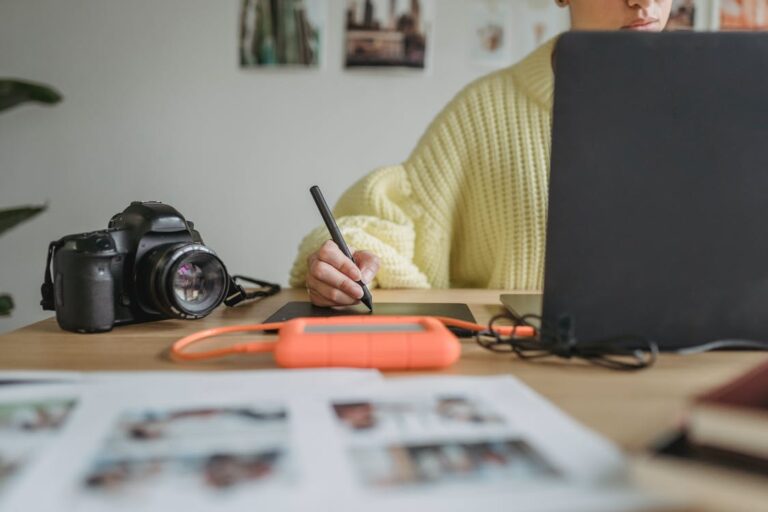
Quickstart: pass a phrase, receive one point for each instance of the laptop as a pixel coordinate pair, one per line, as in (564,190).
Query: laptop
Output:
(658,200)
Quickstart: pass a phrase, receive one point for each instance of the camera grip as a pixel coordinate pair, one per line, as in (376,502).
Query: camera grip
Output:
(84,292)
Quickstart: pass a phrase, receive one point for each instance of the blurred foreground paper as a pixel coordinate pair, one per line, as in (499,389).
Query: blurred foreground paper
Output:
(307,443)
(31,419)
(12,377)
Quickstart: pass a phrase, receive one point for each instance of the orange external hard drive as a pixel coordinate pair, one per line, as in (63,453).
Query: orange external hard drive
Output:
(387,343)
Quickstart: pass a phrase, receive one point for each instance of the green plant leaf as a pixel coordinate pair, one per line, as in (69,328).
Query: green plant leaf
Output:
(11,216)
(16,92)
(6,305)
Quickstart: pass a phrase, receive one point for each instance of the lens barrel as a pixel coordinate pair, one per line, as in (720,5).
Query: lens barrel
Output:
(183,280)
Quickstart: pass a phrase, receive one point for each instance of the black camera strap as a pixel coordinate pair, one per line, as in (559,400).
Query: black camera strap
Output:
(237,294)
(47,288)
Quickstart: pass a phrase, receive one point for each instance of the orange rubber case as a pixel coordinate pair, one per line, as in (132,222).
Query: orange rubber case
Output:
(387,343)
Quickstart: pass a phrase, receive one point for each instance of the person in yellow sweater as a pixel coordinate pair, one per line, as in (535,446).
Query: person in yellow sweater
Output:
(468,208)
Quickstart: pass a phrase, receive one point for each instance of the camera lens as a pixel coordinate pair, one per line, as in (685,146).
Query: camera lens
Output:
(185,280)
(189,283)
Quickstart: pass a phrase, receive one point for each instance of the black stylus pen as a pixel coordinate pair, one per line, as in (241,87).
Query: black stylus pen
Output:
(333,228)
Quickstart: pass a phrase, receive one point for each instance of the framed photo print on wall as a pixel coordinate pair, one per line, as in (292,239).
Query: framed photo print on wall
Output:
(276,33)
(387,33)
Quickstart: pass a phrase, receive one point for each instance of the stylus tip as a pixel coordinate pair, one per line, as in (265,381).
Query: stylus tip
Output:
(367,300)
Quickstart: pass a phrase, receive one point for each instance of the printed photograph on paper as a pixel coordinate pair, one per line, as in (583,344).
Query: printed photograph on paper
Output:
(743,14)
(25,428)
(203,451)
(490,43)
(387,33)
(281,32)
(437,464)
(429,414)
(682,16)
(536,22)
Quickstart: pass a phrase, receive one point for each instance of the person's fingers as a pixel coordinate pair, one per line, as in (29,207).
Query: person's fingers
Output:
(327,295)
(331,254)
(331,283)
(332,277)
(368,263)
(317,299)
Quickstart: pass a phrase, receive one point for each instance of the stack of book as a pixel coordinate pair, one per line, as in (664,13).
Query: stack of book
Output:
(719,459)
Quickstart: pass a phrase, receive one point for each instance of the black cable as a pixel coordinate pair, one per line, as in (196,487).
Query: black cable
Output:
(626,353)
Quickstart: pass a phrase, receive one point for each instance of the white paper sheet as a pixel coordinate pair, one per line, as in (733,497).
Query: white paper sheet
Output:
(464,444)
(102,399)
(304,442)
(32,419)
(13,377)
(298,375)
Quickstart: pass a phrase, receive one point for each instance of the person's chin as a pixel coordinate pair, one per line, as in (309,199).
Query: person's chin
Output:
(648,27)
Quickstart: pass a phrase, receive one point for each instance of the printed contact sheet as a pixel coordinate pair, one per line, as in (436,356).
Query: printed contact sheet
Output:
(299,441)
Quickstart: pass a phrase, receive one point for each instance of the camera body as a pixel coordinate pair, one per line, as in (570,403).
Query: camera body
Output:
(149,264)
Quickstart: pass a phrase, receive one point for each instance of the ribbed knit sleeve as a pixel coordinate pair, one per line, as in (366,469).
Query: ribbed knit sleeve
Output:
(467,207)
(376,214)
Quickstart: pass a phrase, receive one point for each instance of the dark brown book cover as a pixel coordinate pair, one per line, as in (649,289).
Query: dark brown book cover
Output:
(749,390)
(734,416)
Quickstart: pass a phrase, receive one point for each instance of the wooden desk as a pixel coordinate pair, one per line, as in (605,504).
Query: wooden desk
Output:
(629,408)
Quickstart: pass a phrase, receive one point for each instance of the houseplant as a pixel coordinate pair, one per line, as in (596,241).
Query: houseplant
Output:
(14,93)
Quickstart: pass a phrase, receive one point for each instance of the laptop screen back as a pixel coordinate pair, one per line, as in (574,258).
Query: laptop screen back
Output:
(658,205)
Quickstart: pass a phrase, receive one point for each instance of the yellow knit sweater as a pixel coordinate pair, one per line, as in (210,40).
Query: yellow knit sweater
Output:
(468,208)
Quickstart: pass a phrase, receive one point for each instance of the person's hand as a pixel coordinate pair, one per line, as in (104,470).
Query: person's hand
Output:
(332,277)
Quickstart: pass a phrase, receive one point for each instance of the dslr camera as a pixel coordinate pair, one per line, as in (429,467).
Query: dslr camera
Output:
(149,264)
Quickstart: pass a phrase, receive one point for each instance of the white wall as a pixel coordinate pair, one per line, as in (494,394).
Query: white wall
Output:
(156,108)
